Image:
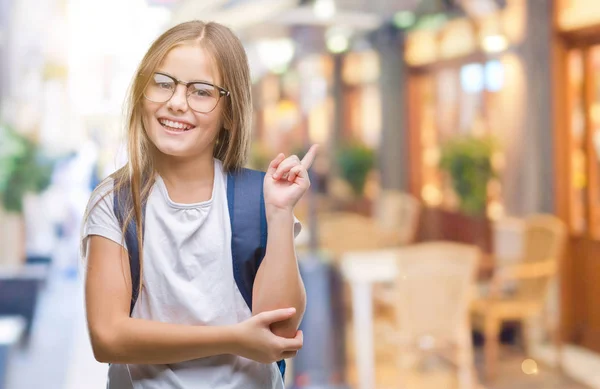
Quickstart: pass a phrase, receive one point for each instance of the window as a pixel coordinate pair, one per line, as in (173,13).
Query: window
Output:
(584,140)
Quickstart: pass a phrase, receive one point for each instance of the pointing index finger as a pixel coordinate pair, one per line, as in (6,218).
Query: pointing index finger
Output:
(309,158)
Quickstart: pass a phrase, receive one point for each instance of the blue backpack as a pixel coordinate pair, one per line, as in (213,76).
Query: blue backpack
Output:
(246,205)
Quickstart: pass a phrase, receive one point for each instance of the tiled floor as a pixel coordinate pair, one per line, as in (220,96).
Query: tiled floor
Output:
(59,355)
(436,374)
(511,375)
(43,362)
(578,362)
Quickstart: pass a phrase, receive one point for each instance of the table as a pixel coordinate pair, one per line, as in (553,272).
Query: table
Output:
(361,270)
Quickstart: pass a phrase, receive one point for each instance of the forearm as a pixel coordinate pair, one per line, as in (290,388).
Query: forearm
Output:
(138,341)
(278,283)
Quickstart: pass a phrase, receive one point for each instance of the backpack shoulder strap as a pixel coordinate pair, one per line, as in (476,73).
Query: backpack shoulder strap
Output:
(248,220)
(121,204)
(246,203)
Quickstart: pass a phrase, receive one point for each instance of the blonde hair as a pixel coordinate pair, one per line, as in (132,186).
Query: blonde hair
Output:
(233,140)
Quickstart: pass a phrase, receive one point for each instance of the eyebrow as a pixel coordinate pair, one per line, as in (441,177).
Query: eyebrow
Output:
(192,81)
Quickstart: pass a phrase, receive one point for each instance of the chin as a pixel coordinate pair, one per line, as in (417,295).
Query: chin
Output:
(174,151)
(179,146)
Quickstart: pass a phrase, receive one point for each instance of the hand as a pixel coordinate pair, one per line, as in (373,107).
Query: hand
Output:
(287,180)
(257,342)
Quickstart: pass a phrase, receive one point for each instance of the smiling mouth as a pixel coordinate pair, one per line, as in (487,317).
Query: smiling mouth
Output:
(175,126)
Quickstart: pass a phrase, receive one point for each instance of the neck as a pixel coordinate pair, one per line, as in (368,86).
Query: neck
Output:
(186,172)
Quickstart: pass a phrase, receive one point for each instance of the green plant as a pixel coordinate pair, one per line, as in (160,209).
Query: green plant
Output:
(467,160)
(23,168)
(355,161)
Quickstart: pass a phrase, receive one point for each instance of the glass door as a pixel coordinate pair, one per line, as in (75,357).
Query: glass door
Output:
(578,153)
(593,121)
(584,142)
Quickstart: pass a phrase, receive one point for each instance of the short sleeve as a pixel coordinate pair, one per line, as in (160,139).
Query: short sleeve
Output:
(100,218)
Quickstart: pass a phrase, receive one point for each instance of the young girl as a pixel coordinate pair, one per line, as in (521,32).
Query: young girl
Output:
(188,126)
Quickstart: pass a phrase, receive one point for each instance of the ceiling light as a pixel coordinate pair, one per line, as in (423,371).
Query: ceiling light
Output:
(495,43)
(337,44)
(276,54)
(324,9)
(337,39)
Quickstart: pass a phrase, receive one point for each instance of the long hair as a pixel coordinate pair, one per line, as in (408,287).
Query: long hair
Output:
(234,138)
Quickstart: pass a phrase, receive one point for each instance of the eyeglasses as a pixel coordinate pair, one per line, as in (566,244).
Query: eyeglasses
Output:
(201,96)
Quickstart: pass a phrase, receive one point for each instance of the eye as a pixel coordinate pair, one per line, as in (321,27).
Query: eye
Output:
(202,90)
(203,93)
(163,82)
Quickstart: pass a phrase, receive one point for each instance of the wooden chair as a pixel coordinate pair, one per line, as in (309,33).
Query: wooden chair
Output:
(528,283)
(395,222)
(398,212)
(341,232)
(434,290)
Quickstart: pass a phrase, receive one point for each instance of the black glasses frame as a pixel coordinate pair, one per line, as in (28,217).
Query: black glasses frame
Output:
(222,91)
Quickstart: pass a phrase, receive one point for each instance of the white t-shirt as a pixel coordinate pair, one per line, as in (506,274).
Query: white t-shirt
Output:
(188,279)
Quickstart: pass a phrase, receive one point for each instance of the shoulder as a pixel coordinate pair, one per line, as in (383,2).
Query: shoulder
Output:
(99,218)
(100,209)
(102,195)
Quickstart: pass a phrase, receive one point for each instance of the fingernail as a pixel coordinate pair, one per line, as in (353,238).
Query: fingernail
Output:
(291,310)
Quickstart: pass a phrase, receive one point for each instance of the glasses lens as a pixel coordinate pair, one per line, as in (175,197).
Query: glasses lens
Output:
(160,89)
(202,97)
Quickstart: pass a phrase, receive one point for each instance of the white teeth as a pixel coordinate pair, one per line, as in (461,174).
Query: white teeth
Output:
(175,125)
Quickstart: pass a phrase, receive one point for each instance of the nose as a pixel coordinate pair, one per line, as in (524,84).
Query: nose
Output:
(178,101)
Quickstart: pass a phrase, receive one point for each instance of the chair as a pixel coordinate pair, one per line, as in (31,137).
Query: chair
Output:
(518,291)
(434,289)
(341,232)
(398,212)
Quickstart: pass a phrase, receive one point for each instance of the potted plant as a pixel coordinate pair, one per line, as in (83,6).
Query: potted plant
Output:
(24,169)
(355,161)
(467,161)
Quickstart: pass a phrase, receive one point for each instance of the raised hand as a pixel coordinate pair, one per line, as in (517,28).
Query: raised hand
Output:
(287,179)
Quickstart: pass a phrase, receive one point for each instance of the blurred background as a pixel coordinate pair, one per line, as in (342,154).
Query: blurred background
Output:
(452,235)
